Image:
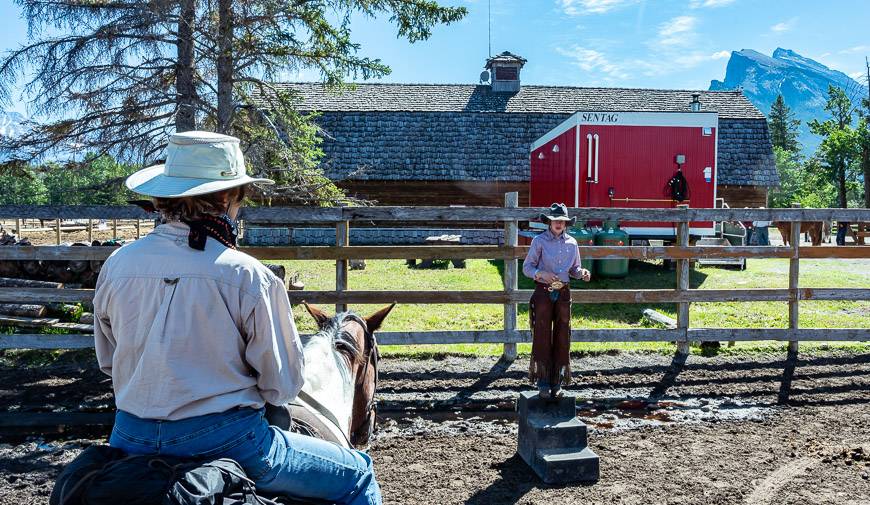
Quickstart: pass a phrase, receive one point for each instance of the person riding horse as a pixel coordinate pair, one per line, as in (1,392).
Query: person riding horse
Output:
(198,336)
(552,260)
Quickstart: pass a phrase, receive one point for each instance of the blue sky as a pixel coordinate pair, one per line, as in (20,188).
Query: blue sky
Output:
(632,43)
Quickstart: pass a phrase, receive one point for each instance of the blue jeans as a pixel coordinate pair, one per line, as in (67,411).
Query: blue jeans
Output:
(278,462)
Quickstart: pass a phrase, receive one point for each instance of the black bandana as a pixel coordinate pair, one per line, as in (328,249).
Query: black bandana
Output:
(218,228)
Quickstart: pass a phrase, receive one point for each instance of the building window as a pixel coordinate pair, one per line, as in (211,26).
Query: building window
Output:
(506,73)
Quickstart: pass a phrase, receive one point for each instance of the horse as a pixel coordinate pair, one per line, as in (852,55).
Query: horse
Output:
(817,231)
(337,401)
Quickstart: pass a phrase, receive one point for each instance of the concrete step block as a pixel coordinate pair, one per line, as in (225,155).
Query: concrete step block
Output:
(545,432)
(559,466)
(530,404)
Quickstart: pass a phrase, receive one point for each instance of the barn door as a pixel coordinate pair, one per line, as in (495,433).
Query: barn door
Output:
(553,171)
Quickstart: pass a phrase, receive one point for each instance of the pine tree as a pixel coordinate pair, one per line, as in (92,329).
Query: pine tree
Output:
(783,126)
(118,76)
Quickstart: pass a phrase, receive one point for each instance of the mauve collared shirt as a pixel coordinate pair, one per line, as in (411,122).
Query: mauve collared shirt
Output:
(549,253)
(185,333)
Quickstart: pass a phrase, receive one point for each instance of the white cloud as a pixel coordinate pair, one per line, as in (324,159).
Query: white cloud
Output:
(678,31)
(784,26)
(592,60)
(856,49)
(580,7)
(601,68)
(720,55)
(697,4)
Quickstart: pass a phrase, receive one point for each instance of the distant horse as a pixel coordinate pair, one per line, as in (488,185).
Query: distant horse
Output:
(817,231)
(337,401)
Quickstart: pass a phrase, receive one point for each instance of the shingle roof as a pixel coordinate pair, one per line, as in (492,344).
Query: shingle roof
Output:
(464,132)
(530,99)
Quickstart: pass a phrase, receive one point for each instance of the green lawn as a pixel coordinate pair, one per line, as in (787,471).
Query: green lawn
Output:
(486,275)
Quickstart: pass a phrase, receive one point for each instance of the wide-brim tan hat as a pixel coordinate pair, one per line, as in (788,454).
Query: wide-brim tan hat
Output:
(197,163)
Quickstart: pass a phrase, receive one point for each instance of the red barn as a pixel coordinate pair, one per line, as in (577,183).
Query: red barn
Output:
(628,159)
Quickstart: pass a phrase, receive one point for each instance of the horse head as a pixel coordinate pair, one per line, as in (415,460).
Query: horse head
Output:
(341,369)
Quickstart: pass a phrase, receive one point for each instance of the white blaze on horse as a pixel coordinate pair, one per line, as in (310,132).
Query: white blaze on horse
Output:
(337,401)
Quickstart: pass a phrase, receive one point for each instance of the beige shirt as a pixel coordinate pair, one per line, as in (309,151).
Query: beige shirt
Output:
(185,333)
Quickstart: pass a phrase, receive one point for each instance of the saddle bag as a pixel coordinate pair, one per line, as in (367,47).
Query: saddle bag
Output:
(103,475)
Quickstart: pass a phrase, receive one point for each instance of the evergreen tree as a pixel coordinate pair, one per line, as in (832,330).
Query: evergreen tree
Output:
(118,76)
(783,126)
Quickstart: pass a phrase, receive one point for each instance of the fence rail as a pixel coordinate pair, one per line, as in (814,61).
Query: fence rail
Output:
(323,215)
(342,218)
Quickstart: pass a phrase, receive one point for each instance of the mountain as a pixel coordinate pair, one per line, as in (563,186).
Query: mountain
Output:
(12,124)
(802,82)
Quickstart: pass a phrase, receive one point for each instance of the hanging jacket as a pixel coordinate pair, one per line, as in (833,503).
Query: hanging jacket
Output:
(679,186)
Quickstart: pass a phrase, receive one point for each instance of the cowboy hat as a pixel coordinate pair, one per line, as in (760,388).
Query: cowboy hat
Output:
(558,212)
(197,163)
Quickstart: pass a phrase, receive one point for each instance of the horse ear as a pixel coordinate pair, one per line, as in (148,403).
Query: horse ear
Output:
(375,320)
(319,316)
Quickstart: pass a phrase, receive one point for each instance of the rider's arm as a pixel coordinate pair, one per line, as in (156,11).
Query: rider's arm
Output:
(104,339)
(532,261)
(274,350)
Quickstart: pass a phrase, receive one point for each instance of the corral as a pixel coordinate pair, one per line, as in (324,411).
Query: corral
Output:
(759,428)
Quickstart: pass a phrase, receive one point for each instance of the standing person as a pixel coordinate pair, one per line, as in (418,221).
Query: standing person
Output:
(552,260)
(198,336)
(760,233)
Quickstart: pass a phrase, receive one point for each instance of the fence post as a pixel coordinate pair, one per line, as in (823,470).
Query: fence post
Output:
(342,239)
(511,200)
(90,231)
(114,229)
(57,232)
(793,299)
(18,226)
(793,274)
(683,285)
(138,229)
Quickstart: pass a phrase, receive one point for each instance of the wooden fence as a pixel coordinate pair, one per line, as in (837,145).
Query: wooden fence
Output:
(342,218)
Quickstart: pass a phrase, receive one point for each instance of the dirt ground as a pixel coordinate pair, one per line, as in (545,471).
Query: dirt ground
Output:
(711,434)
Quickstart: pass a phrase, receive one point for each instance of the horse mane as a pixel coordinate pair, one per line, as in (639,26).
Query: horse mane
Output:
(343,341)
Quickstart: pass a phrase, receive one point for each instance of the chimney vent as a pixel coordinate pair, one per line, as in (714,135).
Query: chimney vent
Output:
(505,72)
(696,102)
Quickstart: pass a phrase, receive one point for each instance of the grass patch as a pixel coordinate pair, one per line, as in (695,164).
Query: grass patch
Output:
(487,275)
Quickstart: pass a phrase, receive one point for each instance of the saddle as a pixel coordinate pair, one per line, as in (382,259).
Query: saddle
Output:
(103,475)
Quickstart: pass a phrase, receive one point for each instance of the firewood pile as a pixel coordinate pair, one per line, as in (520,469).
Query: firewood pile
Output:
(53,274)
(30,316)
(73,273)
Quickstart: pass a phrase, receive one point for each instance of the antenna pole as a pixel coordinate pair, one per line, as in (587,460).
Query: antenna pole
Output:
(489,26)
(867,64)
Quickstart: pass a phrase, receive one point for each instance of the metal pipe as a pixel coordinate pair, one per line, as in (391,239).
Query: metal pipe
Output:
(588,156)
(596,157)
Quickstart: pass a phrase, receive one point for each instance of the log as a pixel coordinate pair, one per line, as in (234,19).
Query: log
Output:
(27,322)
(87,318)
(61,310)
(659,318)
(9,282)
(79,327)
(22,309)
